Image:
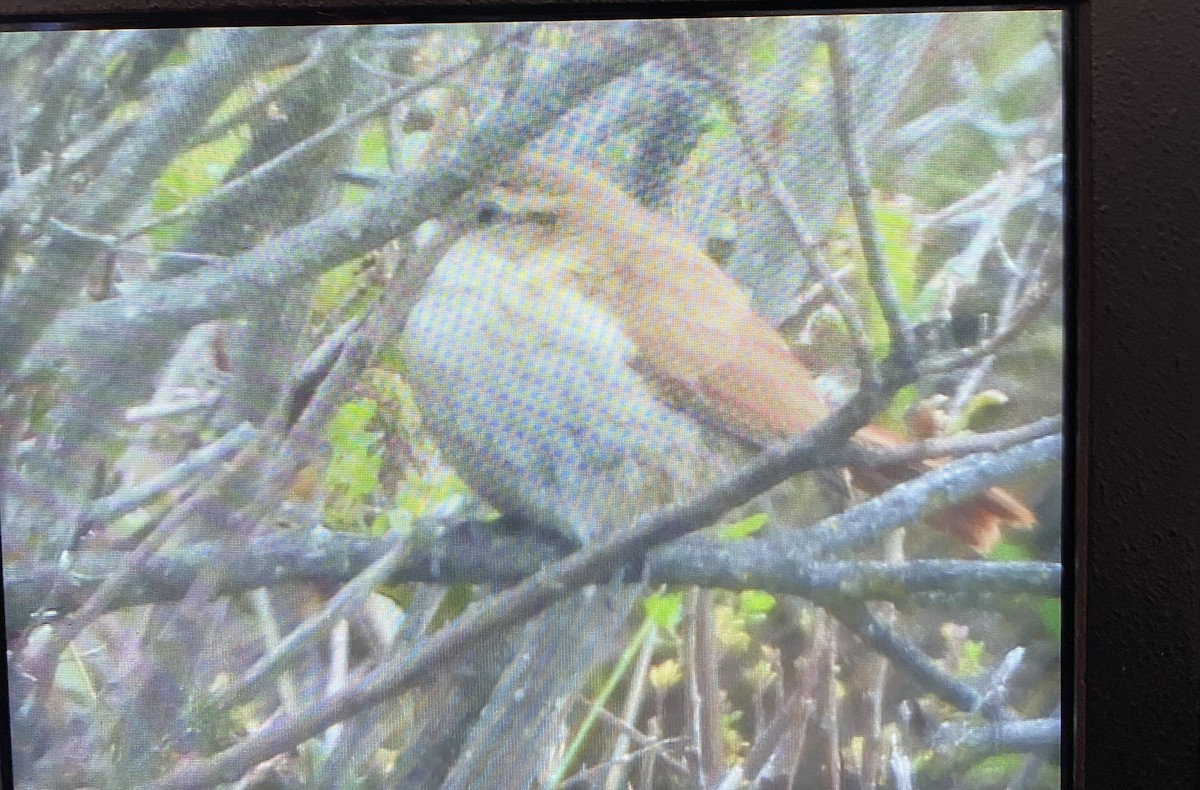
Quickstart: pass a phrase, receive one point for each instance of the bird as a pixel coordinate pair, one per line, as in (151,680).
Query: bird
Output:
(580,360)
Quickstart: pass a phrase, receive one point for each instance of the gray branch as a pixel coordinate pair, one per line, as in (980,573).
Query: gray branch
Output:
(200,461)
(149,147)
(478,553)
(1000,736)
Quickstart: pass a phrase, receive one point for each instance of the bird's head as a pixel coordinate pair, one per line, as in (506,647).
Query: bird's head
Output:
(543,189)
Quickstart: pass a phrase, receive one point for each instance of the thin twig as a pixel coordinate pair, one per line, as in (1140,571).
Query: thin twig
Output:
(786,202)
(265,613)
(621,759)
(339,674)
(646,740)
(781,743)
(46,655)
(127,500)
(587,778)
(995,696)
(1023,316)
(873,746)
(902,769)
(352,594)
(831,718)
(571,753)
(172,408)
(488,556)
(904,347)
(903,653)
(325,45)
(958,481)
(703,690)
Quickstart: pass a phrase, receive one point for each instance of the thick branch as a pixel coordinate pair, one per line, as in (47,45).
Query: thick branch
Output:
(1001,736)
(168,308)
(484,556)
(149,146)
(956,482)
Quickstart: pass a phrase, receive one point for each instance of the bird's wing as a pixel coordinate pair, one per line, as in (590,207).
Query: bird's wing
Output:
(696,332)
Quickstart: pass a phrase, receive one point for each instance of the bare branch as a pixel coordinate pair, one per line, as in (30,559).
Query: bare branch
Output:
(484,556)
(958,481)
(904,654)
(1022,317)
(904,347)
(621,759)
(1001,736)
(781,564)
(352,594)
(323,46)
(174,407)
(198,462)
(150,145)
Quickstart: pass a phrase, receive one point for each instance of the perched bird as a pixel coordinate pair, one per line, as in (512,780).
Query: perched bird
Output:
(580,360)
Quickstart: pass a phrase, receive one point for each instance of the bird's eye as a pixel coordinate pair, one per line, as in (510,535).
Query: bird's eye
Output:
(489,212)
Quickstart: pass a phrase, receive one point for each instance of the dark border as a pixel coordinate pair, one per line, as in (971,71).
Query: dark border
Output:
(191,13)
(1141,679)
(1137,575)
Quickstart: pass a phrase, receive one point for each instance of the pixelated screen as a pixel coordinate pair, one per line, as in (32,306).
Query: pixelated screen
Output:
(613,405)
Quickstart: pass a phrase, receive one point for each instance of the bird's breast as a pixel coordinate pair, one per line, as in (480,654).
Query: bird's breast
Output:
(527,384)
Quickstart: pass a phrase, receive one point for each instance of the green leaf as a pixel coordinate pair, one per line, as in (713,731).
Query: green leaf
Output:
(971,661)
(666,610)
(895,414)
(349,425)
(1050,610)
(754,605)
(744,528)
(355,476)
(977,408)
(994,770)
(1007,551)
(334,286)
(193,173)
(900,246)
(764,53)
(355,464)
(396,519)
(372,153)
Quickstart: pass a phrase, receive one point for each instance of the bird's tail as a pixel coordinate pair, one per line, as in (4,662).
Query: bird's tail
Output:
(977,523)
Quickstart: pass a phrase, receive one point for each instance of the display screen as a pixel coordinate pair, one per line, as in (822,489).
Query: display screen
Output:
(623,404)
